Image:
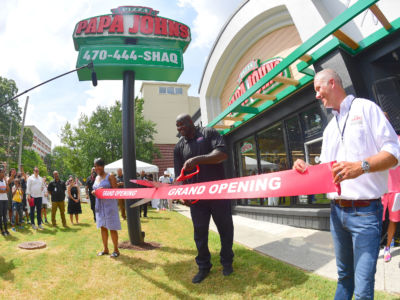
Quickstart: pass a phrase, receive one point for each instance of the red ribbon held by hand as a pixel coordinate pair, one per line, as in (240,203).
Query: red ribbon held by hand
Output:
(315,180)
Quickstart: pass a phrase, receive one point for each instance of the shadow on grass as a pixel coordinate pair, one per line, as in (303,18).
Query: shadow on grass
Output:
(11,237)
(49,231)
(178,251)
(82,225)
(69,229)
(261,276)
(6,268)
(140,266)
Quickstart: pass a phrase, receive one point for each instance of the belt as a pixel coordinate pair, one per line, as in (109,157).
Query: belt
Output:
(353,203)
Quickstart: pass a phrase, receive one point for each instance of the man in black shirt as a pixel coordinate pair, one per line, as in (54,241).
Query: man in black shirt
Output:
(204,146)
(89,188)
(57,189)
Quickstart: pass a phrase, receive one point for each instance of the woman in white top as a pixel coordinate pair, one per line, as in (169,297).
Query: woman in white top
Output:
(4,188)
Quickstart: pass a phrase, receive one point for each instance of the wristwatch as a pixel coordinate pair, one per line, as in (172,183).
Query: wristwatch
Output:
(365,166)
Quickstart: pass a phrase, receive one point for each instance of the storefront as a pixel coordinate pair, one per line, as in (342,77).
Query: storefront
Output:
(257,87)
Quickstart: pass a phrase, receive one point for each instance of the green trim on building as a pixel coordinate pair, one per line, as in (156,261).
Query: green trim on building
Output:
(341,20)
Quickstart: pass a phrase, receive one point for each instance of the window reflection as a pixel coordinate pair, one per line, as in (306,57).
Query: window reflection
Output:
(273,157)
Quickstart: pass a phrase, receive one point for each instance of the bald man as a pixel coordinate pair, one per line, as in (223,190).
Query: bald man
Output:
(365,146)
(205,147)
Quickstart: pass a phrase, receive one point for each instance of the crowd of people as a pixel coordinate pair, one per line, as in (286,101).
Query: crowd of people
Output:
(25,199)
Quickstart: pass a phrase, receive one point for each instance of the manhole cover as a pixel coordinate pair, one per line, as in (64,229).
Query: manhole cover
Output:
(142,247)
(32,245)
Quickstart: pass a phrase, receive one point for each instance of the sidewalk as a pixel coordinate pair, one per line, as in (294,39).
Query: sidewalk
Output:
(308,249)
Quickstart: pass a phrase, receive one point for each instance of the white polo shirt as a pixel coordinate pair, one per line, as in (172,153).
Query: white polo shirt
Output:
(34,186)
(366,133)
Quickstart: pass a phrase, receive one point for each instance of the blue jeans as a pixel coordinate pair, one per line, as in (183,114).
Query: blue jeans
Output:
(356,233)
(17,209)
(38,205)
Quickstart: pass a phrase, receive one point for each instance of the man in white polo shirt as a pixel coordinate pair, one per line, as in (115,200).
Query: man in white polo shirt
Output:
(365,146)
(34,189)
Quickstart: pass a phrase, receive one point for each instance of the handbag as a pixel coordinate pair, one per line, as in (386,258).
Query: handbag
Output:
(31,202)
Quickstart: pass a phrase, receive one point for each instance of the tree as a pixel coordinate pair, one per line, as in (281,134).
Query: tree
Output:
(10,118)
(59,160)
(101,136)
(31,159)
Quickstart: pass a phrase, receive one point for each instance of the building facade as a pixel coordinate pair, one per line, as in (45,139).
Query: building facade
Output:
(257,87)
(41,143)
(163,102)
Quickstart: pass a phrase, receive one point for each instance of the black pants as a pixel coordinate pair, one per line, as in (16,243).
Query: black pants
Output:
(38,204)
(221,212)
(3,214)
(93,205)
(144,208)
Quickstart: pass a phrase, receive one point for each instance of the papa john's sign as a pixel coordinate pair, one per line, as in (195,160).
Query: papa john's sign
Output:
(251,74)
(131,38)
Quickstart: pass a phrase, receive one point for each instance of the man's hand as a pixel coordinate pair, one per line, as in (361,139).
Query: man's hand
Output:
(190,164)
(346,170)
(300,165)
(185,202)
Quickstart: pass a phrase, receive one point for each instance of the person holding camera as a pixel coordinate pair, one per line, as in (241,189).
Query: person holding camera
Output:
(17,195)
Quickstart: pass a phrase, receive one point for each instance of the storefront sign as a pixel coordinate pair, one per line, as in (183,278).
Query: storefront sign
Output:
(111,59)
(132,22)
(251,74)
(131,38)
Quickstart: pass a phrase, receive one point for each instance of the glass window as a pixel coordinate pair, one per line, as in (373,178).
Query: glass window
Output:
(170,90)
(295,139)
(178,91)
(273,158)
(162,90)
(313,150)
(247,154)
(247,157)
(312,122)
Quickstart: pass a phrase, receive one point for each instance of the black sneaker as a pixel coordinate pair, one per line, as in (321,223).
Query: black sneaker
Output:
(200,276)
(227,270)
(3,233)
(7,233)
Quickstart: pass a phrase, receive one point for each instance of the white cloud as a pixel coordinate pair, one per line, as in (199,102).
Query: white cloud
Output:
(104,94)
(34,38)
(211,16)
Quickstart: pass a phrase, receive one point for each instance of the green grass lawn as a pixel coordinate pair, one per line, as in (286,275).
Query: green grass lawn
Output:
(69,268)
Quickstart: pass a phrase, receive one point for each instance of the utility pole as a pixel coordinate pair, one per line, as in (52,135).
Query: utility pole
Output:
(22,135)
(9,143)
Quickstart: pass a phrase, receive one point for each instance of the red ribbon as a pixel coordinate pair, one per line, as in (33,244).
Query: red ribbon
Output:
(315,180)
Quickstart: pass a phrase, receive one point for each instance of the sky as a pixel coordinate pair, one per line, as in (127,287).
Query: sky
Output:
(36,44)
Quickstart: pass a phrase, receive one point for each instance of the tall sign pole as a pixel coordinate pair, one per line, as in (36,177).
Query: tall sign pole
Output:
(22,135)
(129,154)
(131,43)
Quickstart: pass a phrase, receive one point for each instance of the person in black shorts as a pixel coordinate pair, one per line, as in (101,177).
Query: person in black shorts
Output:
(204,146)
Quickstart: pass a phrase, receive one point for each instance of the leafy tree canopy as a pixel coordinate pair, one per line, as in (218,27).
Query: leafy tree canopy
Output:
(101,136)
